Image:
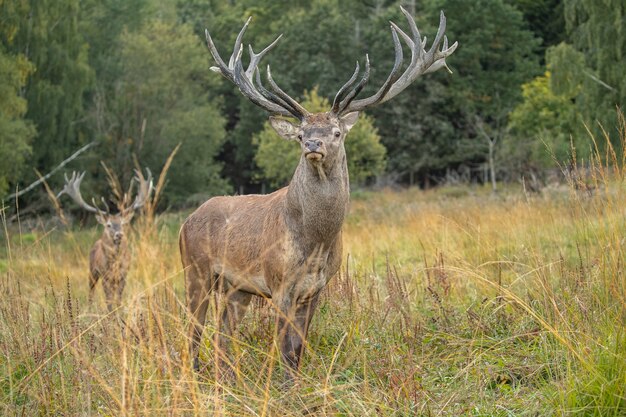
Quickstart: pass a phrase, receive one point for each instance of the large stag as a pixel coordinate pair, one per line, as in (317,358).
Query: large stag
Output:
(287,245)
(109,257)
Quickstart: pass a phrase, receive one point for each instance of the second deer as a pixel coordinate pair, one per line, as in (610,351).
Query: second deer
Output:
(109,257)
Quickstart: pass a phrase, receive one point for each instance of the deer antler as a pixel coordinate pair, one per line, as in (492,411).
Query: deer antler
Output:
(277,102)
(422,62)
(143,190)
(72,188)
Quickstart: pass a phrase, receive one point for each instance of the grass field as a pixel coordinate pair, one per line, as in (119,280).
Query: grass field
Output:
(450,302)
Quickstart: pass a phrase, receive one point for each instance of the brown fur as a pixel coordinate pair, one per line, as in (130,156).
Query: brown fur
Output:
(285,246)
(109,260)
(109,257)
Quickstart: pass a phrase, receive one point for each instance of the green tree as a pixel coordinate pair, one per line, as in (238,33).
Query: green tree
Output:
(597,42)
(498,55)
(441,122)
(161,101)
(15,131)
(541,128)
(102,23)
(47,34)
(545,18)
(278,158)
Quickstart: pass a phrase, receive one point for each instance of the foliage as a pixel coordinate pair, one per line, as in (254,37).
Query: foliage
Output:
(15,132)
(597,40)
(133,76)
(158,105)
(47,34)
(545,18)
(278,158)
(542,128)
(434,122)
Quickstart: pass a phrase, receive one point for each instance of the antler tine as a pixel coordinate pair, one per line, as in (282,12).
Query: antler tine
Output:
(221,66)
(238,46)
(67,180)
(440,57)
(415,43)
(356,90)
(422,62)
(144,188)
(104,203)
(256,58)
(243,79)
(414,30)
(72,189)
(301,112)
(268,94)
(440,33)
(343,91)
(379,97)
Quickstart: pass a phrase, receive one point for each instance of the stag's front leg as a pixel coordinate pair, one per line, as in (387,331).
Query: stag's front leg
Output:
(293,326)
(198,286)
(235,306)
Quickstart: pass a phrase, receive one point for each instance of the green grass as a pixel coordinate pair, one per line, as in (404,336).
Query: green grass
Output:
(450,302)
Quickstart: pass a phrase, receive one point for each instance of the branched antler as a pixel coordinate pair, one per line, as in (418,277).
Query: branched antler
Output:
(422,62)
(72,188)
(144,189)
(277,102)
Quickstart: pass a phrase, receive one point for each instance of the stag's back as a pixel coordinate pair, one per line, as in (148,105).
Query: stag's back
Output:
(238,235)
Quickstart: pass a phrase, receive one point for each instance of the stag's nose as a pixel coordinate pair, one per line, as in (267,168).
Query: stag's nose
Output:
(313,144)
(118,236)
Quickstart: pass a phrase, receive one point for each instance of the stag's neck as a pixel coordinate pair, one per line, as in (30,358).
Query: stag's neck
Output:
(317,201)
(111,249)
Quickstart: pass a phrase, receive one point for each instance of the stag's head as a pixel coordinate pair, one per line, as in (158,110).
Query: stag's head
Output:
(321,135)
(113,227)
(114,223)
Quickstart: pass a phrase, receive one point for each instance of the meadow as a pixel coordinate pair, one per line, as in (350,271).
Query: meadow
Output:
(450,302)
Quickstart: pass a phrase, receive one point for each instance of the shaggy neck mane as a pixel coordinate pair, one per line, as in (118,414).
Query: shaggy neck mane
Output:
(317,200)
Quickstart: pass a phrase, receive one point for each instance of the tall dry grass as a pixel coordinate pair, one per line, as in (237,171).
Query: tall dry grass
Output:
(449,302)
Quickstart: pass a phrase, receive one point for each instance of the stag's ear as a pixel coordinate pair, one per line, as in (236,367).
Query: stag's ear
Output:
(349,120)
(285,128)
(101,218)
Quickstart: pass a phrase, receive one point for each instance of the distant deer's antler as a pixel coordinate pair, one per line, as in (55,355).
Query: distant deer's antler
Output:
(422,62)
(72,188)
(276,101)
(143,190)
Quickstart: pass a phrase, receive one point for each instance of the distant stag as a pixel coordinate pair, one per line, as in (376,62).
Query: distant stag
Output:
(287,245)
(110,257)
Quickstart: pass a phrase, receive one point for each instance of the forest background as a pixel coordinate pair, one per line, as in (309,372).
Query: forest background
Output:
(133,77)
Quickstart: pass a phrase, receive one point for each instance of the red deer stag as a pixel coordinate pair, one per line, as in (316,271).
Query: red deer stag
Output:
(109,257)
(287,245)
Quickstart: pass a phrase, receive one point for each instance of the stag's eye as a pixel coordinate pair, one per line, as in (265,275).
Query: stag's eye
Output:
(337,134)
(299,137)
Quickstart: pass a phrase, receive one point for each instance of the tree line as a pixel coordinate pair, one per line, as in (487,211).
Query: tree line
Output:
(134,77)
